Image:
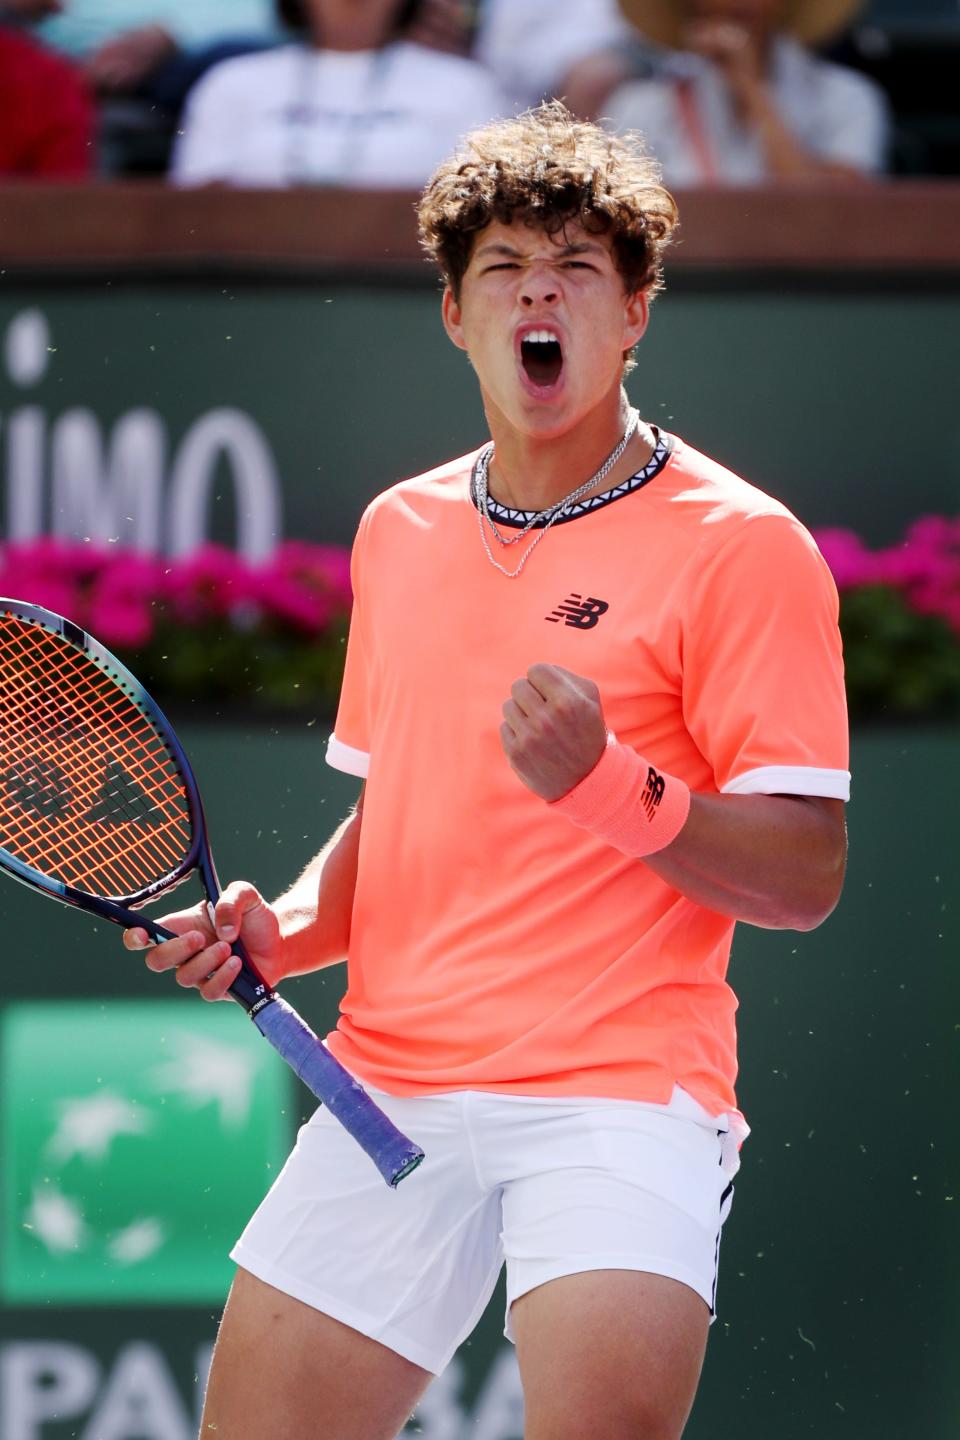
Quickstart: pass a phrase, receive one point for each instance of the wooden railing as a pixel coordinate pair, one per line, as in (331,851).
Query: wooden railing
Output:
(897,225)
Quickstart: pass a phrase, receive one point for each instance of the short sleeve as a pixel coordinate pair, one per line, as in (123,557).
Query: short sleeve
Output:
(852,121)
(348,748)
(763,691)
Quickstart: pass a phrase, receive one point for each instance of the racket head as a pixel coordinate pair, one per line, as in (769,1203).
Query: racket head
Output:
(97,798)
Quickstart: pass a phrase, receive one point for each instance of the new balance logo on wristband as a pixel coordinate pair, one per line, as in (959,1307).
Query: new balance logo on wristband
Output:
(652,792)
(581,614)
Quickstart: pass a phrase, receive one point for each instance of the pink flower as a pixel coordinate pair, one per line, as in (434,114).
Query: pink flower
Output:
(207,584)
(51,573)
(850,561)
(307,586)
(121,603)
(926,567)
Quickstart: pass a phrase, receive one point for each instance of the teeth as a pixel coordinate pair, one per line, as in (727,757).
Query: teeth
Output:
(540,337)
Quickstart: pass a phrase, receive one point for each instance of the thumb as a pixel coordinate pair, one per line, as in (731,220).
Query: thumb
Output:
(237,901)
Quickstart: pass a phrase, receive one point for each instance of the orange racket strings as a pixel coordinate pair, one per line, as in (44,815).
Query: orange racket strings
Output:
(89,793)
(46,717)
(49,714)
(77,766)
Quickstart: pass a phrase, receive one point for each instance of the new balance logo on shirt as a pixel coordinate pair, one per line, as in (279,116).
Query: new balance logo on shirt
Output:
(581,614)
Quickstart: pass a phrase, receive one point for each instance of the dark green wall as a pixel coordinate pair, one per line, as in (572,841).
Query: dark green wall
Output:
(840,1276)
(839,401)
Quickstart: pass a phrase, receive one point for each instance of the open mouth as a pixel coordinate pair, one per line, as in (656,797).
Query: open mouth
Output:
(541,358)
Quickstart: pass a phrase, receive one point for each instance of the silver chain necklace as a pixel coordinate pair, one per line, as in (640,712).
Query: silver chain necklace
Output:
(543,518)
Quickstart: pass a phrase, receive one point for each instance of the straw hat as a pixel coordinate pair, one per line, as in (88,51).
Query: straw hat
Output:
(811,21)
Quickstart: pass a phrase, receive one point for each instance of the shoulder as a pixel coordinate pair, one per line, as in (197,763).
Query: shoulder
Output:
(701,493)
(23,61)
(454,72)
(238,77)
(831,83)
(721,525)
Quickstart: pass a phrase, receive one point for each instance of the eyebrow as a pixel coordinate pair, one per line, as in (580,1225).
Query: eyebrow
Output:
(498,247)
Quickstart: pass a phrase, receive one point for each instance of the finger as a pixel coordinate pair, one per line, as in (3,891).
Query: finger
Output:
(555,683)
(180,922)
(514,719)
(217,985)
(508,740)
(238,899)
(171,954)
(551,680)
(543,678)
(527,698)
(198,968)
(136,939)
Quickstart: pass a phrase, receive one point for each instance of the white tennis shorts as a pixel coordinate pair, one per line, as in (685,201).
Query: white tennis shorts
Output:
(554,1186)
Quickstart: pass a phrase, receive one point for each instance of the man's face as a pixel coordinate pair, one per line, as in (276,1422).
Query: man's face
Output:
(546,321)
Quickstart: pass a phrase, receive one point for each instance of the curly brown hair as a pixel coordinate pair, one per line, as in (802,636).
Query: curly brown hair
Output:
(548,169)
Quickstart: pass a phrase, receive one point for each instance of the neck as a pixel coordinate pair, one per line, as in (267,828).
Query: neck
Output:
(532,473)
(350,41)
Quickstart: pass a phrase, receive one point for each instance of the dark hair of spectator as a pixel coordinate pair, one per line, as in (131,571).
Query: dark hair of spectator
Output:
(294,14)
(546,168)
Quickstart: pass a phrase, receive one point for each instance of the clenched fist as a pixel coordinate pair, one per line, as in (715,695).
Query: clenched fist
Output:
(553,731)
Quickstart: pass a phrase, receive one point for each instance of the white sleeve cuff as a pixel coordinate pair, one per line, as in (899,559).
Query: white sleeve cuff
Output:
(791,780)
(346,758)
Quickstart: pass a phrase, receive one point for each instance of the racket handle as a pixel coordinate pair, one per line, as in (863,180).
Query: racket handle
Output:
(392,1153)
(390,1150)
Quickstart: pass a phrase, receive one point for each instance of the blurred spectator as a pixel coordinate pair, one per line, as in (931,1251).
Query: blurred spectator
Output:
(354,102)
(532,45)
(528,45)
(726,91)
(122,43)
(46,113)
(140,57)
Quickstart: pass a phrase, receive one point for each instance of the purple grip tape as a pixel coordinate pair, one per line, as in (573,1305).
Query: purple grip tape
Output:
(392,1153)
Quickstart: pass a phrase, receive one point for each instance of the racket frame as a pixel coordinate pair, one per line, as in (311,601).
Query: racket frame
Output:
(394,1155)
(249,989)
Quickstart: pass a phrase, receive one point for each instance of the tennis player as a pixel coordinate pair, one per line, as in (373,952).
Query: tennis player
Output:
(594,687)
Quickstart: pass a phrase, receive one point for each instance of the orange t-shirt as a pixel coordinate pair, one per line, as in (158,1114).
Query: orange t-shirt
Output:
(494,945)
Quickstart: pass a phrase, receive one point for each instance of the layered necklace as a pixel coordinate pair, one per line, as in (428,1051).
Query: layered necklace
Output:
(542,518)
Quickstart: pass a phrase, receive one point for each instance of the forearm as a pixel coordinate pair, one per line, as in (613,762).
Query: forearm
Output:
(772,860)
(315,913)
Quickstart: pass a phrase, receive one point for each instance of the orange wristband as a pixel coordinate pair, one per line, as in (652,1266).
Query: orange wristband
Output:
(627,802)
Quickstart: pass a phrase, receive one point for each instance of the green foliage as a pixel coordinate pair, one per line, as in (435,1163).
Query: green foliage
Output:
(900,664)
(268,668)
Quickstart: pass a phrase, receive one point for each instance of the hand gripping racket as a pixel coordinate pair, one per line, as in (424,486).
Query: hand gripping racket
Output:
(99,809)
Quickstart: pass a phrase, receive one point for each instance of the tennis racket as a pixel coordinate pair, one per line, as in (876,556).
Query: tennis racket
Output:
(99,809)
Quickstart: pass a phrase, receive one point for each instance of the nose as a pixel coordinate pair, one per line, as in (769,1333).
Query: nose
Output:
(539,287)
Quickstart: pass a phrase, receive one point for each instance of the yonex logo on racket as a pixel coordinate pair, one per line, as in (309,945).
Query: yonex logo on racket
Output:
(581,613)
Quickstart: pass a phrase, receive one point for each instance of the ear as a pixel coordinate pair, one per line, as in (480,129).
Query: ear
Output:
(452,314)
(635,316)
